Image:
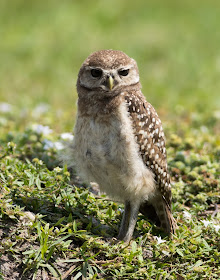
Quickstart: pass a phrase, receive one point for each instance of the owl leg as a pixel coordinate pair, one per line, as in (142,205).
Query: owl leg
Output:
(128,221)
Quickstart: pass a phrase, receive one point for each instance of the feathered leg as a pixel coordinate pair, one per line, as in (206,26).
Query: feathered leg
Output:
(129,220)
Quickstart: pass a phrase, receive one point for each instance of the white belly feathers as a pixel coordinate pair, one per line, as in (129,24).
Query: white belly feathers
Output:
(105,152)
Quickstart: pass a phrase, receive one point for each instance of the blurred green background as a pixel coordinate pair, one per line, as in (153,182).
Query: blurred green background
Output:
(175,43)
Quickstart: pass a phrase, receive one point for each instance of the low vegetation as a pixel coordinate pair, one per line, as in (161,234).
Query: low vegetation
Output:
(54,226)
(51,225)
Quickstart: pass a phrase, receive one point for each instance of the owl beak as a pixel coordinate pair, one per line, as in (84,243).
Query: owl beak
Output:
(110,82)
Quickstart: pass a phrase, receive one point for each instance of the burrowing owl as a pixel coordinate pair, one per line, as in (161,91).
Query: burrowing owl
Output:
(119,141)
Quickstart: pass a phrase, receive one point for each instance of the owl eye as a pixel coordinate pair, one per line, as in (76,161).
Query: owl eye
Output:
(96,73)
(123,72)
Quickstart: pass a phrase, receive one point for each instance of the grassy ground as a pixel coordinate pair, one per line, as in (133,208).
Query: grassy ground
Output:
(50,229)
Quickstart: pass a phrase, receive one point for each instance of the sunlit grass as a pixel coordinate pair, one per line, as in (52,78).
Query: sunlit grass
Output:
(175,44)
(50,228)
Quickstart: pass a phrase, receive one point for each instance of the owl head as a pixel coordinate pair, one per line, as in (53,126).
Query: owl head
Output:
(107,72)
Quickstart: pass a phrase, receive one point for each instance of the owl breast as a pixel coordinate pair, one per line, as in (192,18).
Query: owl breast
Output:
(106,153)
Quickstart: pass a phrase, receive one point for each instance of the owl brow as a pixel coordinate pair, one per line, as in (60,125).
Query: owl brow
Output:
(127,67)
(89,68)
(93,67)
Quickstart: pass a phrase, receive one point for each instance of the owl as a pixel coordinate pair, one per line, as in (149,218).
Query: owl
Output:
(119,140)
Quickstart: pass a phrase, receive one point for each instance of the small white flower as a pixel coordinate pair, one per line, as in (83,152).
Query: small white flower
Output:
(56,230)
(5,107)
(58,146)
(40,109)
(41,129)
(48,144)
(120,210)
(187,215)
(67,136)
(216,227)
(206,222)
(57,169)
(159,240)
(11,145)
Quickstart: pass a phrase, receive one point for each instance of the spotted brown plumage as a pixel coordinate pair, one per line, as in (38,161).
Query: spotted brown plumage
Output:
(119,141)
(150,138)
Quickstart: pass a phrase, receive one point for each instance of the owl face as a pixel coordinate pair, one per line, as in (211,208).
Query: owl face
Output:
(108,71)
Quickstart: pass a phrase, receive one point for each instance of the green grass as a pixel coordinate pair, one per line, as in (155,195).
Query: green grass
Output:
(51,226)
(176,45)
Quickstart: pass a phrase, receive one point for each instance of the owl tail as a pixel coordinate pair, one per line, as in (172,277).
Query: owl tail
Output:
(160,214)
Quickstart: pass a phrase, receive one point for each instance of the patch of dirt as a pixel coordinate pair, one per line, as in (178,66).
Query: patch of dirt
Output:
(9,268)
(13,242)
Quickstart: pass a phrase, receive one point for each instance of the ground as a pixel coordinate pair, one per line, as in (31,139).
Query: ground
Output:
(53,225)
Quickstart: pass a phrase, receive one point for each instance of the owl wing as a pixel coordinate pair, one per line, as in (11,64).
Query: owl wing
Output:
(151,140)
